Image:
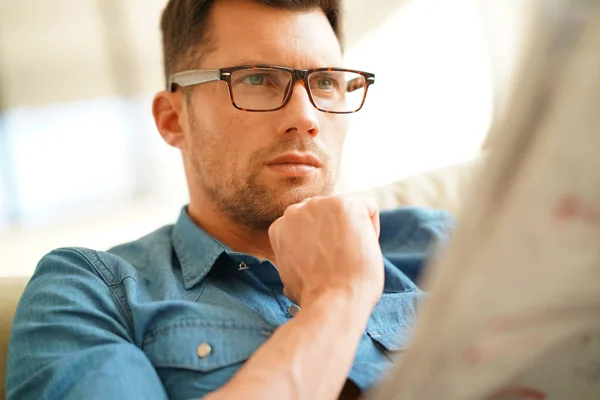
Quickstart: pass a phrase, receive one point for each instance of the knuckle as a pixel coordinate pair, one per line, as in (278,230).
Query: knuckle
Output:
(291,210)
(273,229)
(337,203)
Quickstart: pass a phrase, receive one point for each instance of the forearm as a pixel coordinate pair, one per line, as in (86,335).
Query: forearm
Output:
(307,358)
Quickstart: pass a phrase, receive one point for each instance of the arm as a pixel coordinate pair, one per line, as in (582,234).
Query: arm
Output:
(307,358)
(71,340)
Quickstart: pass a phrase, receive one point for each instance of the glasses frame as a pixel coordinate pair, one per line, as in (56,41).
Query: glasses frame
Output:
(199,76)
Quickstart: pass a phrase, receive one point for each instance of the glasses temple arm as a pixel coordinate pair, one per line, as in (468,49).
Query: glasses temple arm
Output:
(193,77)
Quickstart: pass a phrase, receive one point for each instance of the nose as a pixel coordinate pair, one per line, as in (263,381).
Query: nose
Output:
(299,116)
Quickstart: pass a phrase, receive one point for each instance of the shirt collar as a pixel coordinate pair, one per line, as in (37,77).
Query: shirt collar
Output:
(196,250)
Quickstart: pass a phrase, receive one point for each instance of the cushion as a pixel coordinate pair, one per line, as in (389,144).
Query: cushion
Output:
(10,291)
(443,188)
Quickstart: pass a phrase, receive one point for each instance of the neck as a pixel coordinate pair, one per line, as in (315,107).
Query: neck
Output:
(230,233)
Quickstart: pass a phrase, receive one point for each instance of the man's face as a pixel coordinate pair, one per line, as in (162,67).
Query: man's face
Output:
(246,163)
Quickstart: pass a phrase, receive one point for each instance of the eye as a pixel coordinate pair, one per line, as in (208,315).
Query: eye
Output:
(255,79)
(326,84)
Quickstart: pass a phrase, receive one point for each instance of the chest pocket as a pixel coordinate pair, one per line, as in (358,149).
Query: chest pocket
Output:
(391,344)
(203,347)
(386,337)
(393,320)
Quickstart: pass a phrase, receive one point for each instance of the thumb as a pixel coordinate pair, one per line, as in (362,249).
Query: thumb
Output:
(373,210)
(360,202)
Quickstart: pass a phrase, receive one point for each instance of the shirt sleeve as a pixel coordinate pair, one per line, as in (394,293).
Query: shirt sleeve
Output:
(411,237)
(72,339)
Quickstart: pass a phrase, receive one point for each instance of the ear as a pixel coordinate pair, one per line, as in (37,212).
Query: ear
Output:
(167,110)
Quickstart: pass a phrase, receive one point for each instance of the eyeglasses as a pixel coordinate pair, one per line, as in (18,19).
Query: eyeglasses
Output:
(263,88)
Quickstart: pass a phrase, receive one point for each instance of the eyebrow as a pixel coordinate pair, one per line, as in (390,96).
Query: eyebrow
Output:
(253,62)
(262,62)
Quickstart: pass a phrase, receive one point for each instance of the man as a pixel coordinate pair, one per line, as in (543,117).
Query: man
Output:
(267,287)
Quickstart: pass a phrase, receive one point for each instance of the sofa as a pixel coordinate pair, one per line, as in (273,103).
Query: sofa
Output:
(10,291)
(443,188)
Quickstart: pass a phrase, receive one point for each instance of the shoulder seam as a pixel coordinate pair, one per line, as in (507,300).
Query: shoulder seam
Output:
(88,254)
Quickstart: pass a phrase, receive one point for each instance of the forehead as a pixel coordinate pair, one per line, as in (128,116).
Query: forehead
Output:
(244,31)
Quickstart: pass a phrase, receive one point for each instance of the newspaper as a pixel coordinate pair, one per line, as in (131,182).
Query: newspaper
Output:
(514,310)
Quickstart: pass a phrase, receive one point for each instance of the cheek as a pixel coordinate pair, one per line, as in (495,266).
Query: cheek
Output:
(227,140)
(334,129)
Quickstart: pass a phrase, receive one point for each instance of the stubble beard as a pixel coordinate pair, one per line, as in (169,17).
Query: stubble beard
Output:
(248,202)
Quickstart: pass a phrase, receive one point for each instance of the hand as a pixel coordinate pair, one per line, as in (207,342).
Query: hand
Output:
(329,245)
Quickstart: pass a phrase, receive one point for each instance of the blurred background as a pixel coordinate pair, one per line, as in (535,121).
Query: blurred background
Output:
(81,163)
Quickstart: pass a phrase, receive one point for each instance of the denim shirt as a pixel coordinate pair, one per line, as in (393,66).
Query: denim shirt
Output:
(176,313)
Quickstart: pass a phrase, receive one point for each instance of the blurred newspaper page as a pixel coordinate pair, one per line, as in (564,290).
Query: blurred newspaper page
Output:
(514,311)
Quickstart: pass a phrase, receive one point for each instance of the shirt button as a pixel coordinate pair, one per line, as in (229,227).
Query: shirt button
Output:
(243,266)
(293,310)
(204,350)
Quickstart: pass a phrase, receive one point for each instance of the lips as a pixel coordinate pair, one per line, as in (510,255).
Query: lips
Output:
(296,159)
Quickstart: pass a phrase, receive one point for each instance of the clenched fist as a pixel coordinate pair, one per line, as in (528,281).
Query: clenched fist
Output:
(329,245)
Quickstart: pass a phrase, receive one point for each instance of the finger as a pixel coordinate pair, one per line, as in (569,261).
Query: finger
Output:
(290,296)
(372,209)
(371,205)
(296,207)
(376,224)
(273,232)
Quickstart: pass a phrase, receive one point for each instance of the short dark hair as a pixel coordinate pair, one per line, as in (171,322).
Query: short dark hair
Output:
(185,26)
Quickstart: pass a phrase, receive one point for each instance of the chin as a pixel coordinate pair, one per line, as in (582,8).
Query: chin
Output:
(295,194)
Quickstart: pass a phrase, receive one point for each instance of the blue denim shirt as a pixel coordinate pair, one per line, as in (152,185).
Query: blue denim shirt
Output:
(131,323)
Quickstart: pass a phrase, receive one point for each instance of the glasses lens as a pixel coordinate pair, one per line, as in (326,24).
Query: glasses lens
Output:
(259,89)
(338,91)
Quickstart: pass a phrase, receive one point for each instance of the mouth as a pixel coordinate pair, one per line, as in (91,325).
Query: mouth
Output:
(294,164)
(296,159)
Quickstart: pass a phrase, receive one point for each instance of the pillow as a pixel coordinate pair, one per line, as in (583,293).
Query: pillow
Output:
(444,188)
